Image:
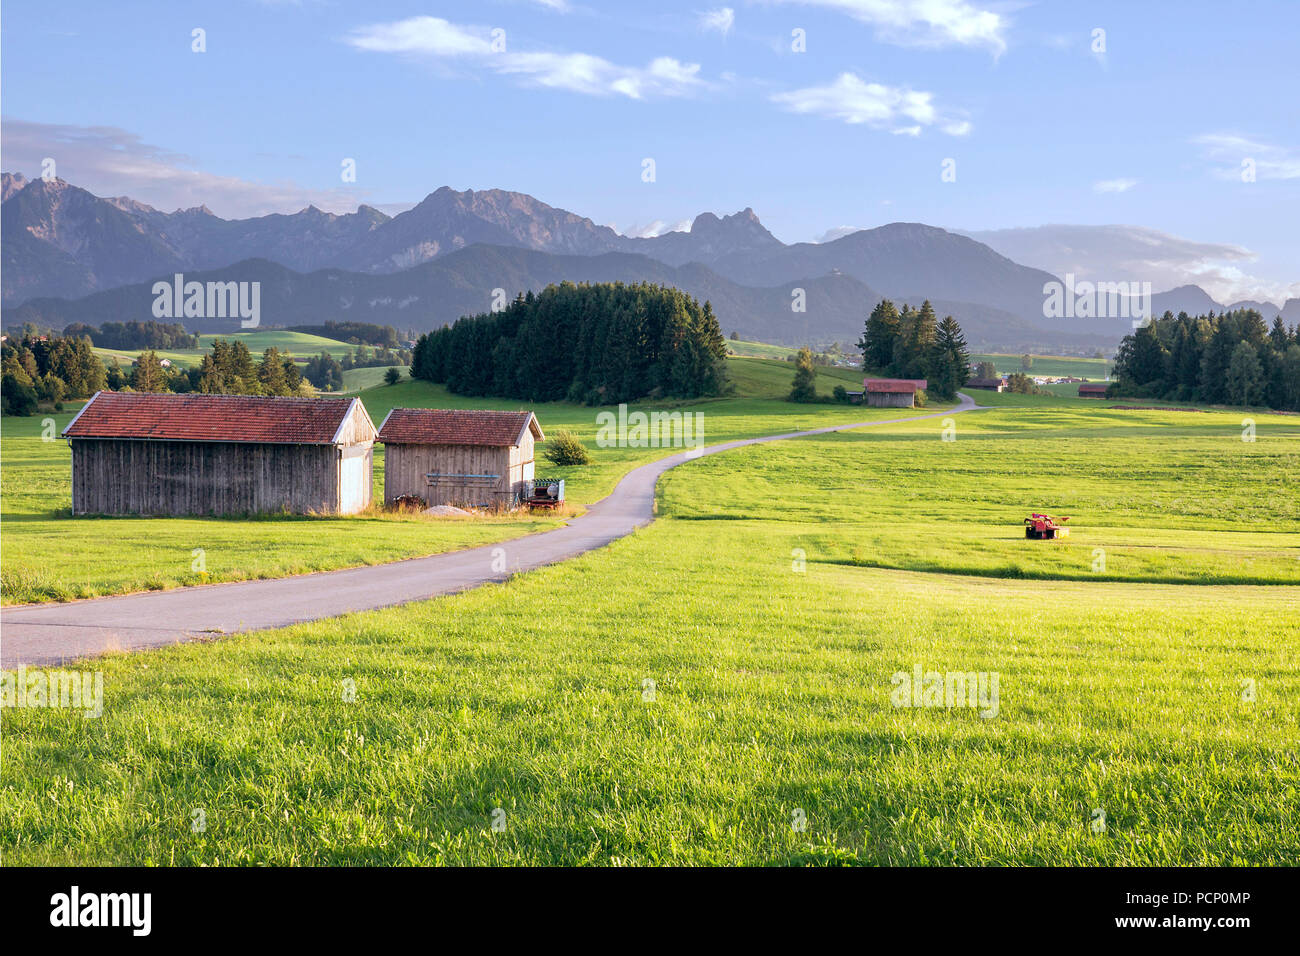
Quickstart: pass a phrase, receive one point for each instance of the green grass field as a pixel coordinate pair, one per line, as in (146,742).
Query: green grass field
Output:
(691,694)
(1052,366)
(298,345)
(51,556)
(764,350)
(359,379)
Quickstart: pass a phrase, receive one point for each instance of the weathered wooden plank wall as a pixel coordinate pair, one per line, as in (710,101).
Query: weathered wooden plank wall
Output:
(891,399)
(405,467)
(112,476)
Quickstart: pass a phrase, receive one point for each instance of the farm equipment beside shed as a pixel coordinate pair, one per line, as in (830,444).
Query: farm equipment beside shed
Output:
(544,493)
(1045,527)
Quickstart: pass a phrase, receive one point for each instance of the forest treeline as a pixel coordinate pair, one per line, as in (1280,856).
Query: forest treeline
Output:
(130,336)
(1229,359)
(41,368)
(599,344)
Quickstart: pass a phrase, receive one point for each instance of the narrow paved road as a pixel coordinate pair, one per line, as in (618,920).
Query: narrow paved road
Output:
(44,634)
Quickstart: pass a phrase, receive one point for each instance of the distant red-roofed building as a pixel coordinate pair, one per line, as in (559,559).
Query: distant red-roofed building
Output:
(893,392)
(1092,390)
(195,454)
(459,456)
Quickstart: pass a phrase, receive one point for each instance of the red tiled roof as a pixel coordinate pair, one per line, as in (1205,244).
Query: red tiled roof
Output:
(1097,387)
(196,417)
(894,384)
(461,426)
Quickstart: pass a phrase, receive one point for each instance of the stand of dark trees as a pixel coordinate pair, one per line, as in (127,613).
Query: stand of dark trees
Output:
(167,336)
(48,369)
(1229,359)
(40,368)
(598,344)
(913,344)
(354,333)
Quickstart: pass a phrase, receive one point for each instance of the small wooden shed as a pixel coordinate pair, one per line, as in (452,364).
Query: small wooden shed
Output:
(459,456)
(893,392)
(1093,390)
(194,454)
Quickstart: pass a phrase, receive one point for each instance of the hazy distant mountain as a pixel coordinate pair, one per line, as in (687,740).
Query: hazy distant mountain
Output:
(61,244)
(1191,299)
(60,240)
(1267,309)
(448,220)
(462,283)
(711,240)
(907,261)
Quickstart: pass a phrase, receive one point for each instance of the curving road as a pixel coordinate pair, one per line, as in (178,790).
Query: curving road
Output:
(45,634)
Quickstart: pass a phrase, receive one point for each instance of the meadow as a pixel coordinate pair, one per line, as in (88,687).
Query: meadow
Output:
(298,345)
(716,688)
(49,555)
(1052,366)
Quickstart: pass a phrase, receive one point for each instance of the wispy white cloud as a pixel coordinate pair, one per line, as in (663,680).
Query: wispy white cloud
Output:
(931,23)
(851,99)
(1120,185)
(839,232)
(1229,273)
(109,161)
(658,227)
(1230,152)
(720,20)
(433,37)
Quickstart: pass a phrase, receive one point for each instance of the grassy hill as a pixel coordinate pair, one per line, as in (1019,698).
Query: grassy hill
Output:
(1052,366)
(298,345)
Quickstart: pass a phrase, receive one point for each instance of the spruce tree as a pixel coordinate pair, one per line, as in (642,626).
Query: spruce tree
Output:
(804,388)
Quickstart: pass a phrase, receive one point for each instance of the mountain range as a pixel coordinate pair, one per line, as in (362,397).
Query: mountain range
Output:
(68,255)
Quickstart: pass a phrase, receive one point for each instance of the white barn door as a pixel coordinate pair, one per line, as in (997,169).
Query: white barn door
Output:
(352,484)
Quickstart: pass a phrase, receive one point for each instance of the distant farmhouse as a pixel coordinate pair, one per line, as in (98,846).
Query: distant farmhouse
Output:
(459,456)
(988,384)
(1093,390)
(893,392)
(192,454)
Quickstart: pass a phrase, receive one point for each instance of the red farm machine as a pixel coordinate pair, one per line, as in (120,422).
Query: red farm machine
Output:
(1045,527)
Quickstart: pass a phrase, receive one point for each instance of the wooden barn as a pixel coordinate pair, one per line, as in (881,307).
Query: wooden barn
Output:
(893,392)
(1093,390)
(459,456)
(988,384)
(162,454)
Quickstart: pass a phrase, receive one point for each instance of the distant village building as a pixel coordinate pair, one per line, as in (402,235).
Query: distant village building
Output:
(988,384)
(893,392)
(192,454)
(459,456)
(1093,390)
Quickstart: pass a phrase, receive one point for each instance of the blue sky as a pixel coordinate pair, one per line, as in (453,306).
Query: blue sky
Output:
(853,131)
